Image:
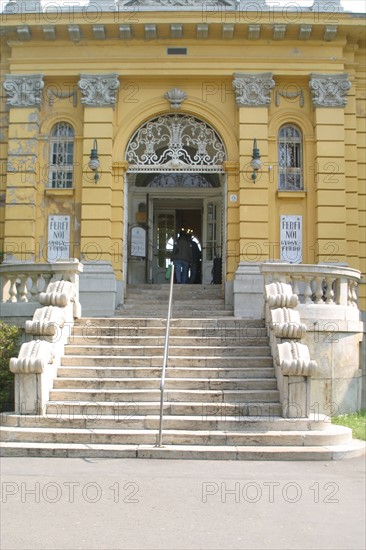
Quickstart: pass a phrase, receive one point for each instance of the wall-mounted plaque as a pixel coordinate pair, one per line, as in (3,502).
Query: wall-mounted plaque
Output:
(138,241)
(58,238)
(291,239)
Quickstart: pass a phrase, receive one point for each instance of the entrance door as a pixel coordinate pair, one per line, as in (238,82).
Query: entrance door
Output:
(212,237)
(164,236)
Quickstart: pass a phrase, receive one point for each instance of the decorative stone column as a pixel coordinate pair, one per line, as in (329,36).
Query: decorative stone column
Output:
(329,99)
(98,283)
(253,96)
(23,97)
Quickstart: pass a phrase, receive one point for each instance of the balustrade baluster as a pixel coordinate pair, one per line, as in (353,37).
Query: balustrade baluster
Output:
(23,290)
(329,293)
(353,293)
(34,288)
(319,291)
(295,285)
(13,292)
(308,292)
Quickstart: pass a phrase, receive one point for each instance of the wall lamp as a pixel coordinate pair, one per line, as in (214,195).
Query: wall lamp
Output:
(94,161)
(255,163)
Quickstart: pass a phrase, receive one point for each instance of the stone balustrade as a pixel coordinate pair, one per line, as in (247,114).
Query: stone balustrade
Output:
(36,366)
(321,284)
(23,282)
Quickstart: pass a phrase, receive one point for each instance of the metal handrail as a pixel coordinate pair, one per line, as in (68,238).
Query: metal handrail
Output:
(165,359)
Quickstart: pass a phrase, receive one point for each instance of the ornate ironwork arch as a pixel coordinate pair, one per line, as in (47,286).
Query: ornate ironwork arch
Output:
(175,143)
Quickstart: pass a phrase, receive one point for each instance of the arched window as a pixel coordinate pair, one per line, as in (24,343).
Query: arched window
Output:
(61,172)
(290,158)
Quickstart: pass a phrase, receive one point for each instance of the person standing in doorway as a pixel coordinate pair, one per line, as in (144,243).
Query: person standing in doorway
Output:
(182,257)
(196,259)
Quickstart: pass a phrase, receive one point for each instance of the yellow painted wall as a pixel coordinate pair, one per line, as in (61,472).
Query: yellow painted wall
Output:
(332,204)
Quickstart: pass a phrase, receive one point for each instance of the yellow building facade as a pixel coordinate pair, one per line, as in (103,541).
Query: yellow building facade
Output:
(170,97)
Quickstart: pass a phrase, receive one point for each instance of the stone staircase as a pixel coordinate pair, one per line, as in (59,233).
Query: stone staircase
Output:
(221,397)
(189,301)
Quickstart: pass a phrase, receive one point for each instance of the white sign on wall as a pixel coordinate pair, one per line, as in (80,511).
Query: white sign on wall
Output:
(58,238)
(138,241)
(291,239)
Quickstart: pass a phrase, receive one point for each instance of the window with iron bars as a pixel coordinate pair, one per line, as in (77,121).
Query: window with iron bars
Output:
(61,173)
(290,159)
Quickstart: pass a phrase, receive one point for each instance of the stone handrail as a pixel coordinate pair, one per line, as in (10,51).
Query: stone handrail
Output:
(316,283)
(23,282)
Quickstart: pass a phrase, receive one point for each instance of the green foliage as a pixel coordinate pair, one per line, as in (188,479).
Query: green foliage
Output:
(356,421)
(9,347)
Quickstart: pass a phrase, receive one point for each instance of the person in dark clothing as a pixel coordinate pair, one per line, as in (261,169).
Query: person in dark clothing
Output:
(182,258)
(196,258)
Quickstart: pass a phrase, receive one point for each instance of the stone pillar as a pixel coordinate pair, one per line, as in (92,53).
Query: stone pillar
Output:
(119,247)
(23,93)
(328,95)
(253,96)
(98,283)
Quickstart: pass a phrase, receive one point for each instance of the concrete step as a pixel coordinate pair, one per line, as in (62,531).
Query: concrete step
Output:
(171,422)
(181,314)
(174,341)
(170,383)
(174,351)
(143,340)
(156,361)
(256,411)
(176,372)
(351,449)
(338,435)
(118,329)
(195,322)
(146,394)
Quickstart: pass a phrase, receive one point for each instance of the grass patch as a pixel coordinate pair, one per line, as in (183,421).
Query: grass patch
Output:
(356,421)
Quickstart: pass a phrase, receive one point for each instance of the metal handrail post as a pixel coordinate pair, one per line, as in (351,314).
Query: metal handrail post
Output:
(165,358)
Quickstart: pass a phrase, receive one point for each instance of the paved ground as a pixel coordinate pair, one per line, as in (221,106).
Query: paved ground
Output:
(100,504)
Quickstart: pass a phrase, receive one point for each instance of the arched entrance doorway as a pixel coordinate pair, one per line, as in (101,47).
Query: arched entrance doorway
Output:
(175,181)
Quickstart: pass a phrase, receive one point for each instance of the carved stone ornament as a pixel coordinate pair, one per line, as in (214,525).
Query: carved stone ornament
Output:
(294,359)
(99,90)
(280,295)
(329,90)
(253,90)
(23,90)
(175,98)
(33,358)
(59,293)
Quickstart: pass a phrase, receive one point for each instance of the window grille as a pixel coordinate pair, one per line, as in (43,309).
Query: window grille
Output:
(290,159)
(61,156)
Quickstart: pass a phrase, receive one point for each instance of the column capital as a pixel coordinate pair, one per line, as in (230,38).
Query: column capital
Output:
(23,90)
(329,90)
(253,89)
(99,90)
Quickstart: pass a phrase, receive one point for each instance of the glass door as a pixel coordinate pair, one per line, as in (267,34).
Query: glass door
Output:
(212,246)
(164,235)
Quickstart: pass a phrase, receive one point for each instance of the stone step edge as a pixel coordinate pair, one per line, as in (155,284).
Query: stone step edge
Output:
(352,449)
(158,379)
(250,422)
(332,430)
